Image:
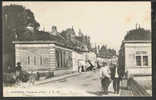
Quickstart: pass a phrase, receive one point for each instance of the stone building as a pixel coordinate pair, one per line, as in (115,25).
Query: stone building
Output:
(135,54)
(136,57)
(42,55)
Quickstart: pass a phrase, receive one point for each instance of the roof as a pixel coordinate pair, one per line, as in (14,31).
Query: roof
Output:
(36,42)
(137,41)
(138,34)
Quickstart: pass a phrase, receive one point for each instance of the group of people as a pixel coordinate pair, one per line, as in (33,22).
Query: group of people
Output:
(110,73)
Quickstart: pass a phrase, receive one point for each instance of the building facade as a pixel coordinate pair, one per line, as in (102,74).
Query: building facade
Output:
(135,57)
(78,59)
(42,55)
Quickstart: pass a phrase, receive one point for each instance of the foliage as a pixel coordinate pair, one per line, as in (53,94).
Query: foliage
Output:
(106,52)
(17,21)
(18,24)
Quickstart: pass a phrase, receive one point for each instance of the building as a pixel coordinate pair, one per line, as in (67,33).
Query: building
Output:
(91,56)
(135,57)
(78,59)
(42,55)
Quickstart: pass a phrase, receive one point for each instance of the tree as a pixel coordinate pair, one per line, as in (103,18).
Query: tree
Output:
(17,22)
(106,52)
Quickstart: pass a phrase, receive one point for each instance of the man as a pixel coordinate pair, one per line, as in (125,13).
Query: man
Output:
(105,77)
(18,71)
(115,76)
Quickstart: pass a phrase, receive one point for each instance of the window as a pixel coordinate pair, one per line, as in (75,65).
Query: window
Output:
(145,60)
(60,59)
(34,60)
(45,60)
(28,60)
(138,60)
(57,58)
(41,60)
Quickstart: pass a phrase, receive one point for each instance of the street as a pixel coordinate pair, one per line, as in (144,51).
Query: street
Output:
(84,84)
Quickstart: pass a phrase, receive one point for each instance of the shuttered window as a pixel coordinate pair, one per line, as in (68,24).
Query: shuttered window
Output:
(40,60)
(34,60)
(138,60)
(145,60)
(28,60)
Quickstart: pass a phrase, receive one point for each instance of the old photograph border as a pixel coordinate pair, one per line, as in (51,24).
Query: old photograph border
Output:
(153,5)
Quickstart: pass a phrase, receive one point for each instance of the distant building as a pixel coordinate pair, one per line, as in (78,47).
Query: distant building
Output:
(91,56)
(82,58)
(78,59)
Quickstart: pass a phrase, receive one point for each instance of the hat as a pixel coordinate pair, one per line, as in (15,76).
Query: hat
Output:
(18,63)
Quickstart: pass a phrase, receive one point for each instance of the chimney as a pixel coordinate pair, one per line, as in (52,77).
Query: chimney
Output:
(136,25)
(54,30)
(139,26)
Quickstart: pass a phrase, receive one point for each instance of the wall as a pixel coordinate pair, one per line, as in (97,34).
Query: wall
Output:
(63,58)
(77,59)
(36,52)
(137,49)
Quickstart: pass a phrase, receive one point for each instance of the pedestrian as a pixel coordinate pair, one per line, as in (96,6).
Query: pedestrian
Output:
(115,76)
(32,78)
(82,68)
(105,77)
(18,71)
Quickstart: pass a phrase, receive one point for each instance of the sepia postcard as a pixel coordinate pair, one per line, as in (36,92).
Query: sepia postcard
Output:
(97,49)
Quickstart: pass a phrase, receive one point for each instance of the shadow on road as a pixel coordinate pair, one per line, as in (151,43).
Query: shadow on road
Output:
(98,93)
(124,88)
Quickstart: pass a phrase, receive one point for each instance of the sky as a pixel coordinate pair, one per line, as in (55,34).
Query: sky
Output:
(105,22)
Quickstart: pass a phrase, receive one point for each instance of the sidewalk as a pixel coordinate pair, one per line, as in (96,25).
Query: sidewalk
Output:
(124,91)
(57,78)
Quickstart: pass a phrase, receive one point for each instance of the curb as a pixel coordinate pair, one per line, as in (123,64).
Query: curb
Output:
(56,78)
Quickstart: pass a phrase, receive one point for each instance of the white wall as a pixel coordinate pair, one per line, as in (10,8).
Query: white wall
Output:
(130,57)
(22,51)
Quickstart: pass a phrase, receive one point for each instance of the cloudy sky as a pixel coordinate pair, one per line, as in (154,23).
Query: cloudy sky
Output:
(105,22)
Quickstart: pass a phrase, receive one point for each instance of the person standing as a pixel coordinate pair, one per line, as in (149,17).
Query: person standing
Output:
(18,70)
(105,77)
(115,76)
